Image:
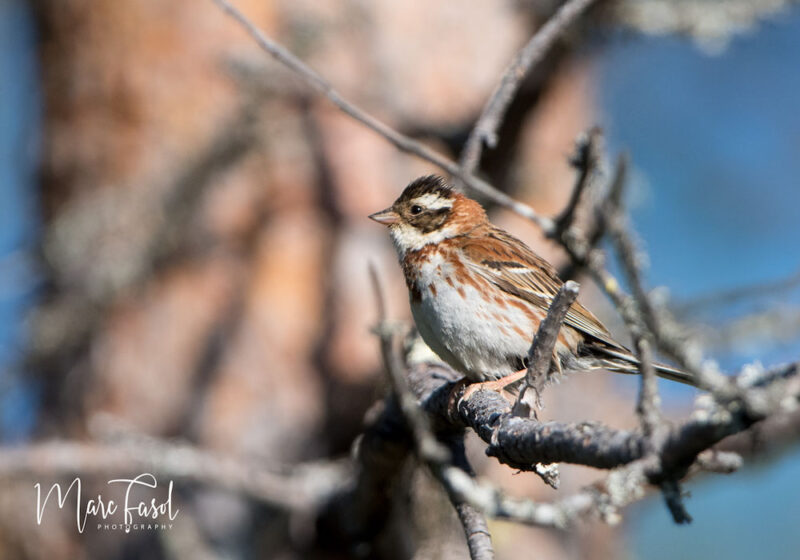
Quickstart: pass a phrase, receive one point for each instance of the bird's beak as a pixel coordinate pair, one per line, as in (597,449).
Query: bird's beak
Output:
(386,217)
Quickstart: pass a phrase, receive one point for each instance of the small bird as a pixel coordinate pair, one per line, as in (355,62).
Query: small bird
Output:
(478,294)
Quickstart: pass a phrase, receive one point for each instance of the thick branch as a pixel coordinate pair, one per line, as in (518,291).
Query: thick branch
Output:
(522,442)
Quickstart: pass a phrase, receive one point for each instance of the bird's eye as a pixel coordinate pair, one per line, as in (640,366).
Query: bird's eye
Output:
(416,209)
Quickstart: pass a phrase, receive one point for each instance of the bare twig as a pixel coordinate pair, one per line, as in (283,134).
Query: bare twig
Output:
(584,244)
(638,312)
(673,497)
(640,309)
(431,451)
(582,248)
(498,505)
(523,442)
(540,355)
(647,406)
(585,161)
(476,530)
(654,430)
(400,141)
(485,130)
(425,442)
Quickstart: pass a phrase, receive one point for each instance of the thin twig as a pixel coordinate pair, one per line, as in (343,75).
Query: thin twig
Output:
(664,333)
(637,311)
(585,160)
(584,244)
(485,130)
(648,404)
(673,497)
(641,308)
(476,530)
(649,412)
(425,442)
(442,461)
(400,141)
(541,352)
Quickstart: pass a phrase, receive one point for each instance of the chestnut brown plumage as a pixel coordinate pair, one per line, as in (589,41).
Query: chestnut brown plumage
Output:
(478,293)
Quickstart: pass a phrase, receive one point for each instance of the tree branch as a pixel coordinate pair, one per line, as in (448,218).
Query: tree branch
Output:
(636,458)
(585,161)
(542,350)
(648,403)
(522,442)
(440,459)
(400,141)
(485,130)
(476,530)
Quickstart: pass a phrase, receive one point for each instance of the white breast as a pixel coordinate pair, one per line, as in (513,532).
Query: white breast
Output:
(474,335)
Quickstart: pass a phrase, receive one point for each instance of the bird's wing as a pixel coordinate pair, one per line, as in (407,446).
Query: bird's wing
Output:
(512,266)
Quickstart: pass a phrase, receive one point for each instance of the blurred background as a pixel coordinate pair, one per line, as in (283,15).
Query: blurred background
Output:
(184,242)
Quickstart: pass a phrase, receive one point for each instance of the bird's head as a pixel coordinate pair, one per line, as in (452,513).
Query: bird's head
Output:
(429,211)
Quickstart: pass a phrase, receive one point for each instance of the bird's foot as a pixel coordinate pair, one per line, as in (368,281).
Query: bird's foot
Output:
(456,392)
(495,385)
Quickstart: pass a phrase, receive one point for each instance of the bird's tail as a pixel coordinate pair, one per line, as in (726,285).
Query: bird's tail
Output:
(620,360)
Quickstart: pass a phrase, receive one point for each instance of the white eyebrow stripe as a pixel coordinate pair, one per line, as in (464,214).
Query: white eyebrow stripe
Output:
(433,201)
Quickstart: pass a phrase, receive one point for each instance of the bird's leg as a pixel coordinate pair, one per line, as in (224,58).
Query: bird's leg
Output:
(495,385)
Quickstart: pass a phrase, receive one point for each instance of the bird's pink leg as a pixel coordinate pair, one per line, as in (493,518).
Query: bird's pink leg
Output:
(495,385)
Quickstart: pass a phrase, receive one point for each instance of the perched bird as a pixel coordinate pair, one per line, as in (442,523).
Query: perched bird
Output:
(478,294)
